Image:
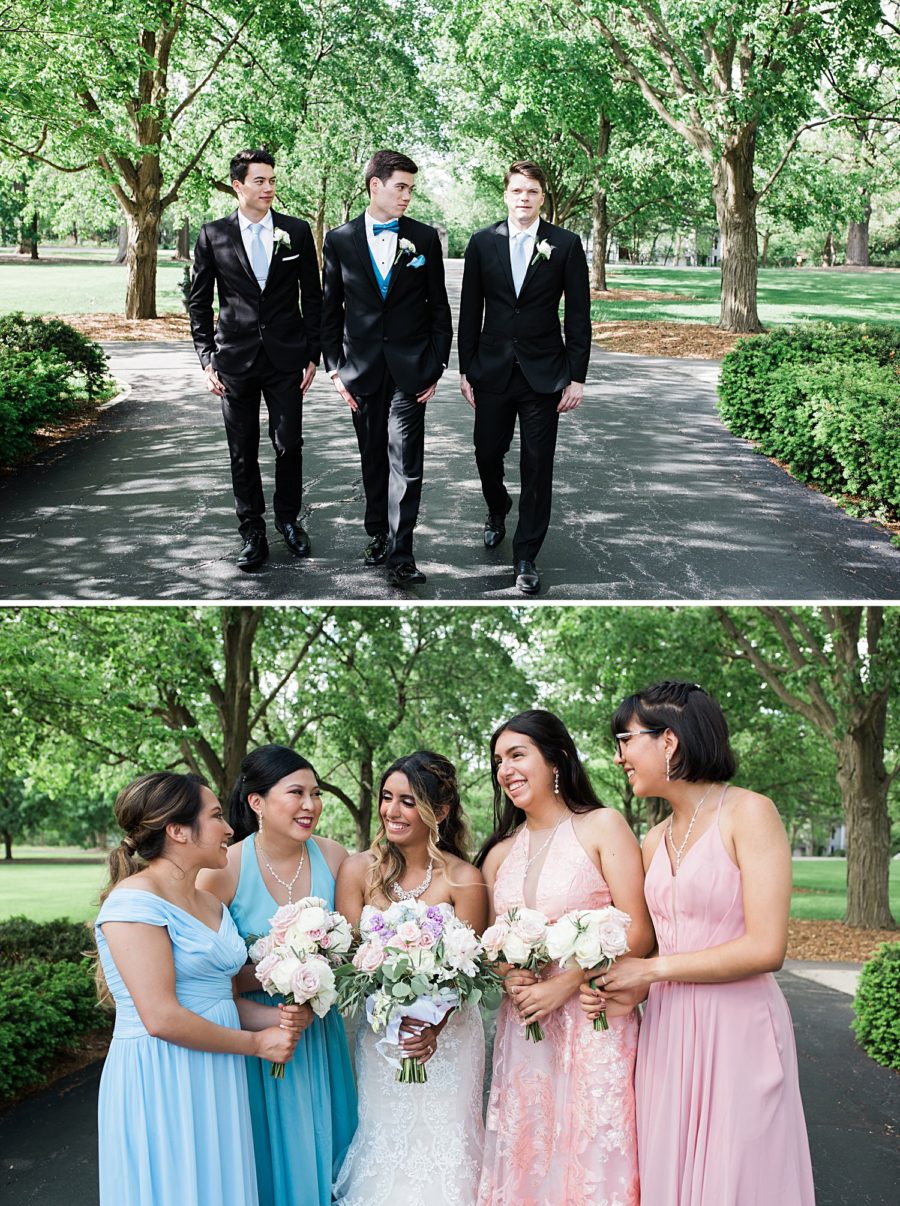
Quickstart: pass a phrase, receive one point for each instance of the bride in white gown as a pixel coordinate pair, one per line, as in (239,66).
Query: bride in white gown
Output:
(417,1143)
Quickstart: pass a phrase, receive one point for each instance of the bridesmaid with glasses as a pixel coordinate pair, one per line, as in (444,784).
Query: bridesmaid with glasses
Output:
(719,1116)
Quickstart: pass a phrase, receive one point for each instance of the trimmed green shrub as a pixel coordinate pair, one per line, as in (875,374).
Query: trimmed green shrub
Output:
(877,1006)
(826,400)
(55,941)
(24,333)
(44,1007)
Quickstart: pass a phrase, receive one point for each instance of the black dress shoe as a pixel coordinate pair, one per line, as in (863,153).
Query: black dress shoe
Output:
(405,574)
(528,580)
(295,538)
(495,526)
(376,550)
(254,552)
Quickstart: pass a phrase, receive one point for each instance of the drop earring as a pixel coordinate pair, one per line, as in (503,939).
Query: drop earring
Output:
(556,780)
(668,766)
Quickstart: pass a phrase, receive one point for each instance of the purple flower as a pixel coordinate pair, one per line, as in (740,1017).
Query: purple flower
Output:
(376,922)
(436,915)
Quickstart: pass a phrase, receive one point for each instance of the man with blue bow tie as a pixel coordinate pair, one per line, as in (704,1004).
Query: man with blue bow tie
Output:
(386,334)
(264,266)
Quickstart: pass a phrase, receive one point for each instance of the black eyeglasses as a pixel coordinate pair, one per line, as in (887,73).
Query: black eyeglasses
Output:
(623,738)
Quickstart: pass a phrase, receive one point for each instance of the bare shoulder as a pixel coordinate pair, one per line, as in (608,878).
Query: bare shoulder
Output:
(497,854)
(333,852)
(606,823)
(462,872)
(355,867)
(745,807)
(653,837)
(222,883)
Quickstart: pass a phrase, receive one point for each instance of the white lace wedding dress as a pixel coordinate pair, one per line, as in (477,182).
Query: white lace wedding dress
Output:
(418,1143)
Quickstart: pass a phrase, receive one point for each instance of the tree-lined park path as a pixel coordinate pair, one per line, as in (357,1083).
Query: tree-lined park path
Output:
(653,500)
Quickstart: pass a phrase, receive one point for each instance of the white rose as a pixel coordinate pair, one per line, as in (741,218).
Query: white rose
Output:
(408,932)
(562,937)
(588,949)
(369,957)
(282,975)
(260,948)
(515,950)
(530,925)
(422,960)
(612,938)
(312,918)
(341,935)
(493,939)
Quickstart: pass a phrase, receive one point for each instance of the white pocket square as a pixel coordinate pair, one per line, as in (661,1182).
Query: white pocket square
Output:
(285,259)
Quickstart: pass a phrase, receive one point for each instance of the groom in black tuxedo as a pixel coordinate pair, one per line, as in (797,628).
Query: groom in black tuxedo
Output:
(386,334)
(260,261)
(513,359)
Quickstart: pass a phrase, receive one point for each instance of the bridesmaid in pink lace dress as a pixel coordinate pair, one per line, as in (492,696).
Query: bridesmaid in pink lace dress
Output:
(720,1121)
(560,1120)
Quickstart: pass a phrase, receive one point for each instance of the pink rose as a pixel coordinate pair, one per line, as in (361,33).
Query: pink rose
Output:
(265,967)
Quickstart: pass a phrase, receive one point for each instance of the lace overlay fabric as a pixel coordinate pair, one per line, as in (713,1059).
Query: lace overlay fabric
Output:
(418,1143)
(560,1122)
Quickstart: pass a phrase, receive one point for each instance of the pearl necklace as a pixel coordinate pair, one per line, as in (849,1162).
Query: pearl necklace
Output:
(678,851)
(276,877)
(415,893)
(536,856)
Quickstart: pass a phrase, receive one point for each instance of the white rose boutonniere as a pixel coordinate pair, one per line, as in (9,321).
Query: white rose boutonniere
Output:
(280,238)
(542,251)
(404,247)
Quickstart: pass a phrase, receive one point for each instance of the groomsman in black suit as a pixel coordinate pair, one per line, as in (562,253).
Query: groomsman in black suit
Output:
(264,266)
(386,334)
(513,360)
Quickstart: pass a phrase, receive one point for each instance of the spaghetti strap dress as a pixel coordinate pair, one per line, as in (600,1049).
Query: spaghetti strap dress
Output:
(174,1124)
(720,1120)
(303,1124)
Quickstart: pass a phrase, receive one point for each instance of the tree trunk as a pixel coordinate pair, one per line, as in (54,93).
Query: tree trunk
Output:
(143,240)
(34,236)
(599,239)
(864,783)
(764,260)
(7,845)
(122,250)
(735,200)
(239,625)
(183,246)
(319,227)
(363,815)
(857,253)
(828,251)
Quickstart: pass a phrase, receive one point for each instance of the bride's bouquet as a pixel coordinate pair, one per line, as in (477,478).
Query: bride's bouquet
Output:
(298,957)
(414,961)
(590,938)
(519,937)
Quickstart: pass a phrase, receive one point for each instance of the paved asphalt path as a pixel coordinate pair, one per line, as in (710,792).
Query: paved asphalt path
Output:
(653,500)
(48,1144)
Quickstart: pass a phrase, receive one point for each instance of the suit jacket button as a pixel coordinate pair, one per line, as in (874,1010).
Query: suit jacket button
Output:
(262,326)
(385,338)
(515,311)
(515,340)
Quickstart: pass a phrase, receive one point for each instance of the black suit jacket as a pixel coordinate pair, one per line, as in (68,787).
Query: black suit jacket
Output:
(410,330)
(496,328)
(249,316)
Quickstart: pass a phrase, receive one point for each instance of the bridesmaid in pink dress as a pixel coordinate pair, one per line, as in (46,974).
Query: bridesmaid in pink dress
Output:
(720,1120)
(560,1122)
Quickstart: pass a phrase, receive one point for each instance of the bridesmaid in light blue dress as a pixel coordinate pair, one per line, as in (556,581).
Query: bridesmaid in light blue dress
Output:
(303,1124)
(174,1123)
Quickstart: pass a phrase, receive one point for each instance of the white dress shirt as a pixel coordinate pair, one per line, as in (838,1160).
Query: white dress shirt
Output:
(383,248)
(267,234)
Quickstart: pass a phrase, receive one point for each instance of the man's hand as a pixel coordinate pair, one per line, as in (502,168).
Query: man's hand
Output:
(571,396)
(308,377)
(345,394)
(213,384)
(426,394)
(466,390)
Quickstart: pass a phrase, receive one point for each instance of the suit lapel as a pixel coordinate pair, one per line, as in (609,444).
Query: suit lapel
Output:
(535,263)
(234,230)
(501,241)
(276,253)
(362,248)
(401,261)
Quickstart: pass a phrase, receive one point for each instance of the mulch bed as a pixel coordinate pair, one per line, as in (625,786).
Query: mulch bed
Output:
(694,340)
(113,327)
(834,942)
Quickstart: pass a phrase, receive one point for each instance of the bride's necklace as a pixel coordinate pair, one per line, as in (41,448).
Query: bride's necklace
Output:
(535,857)
(415,893)
(678,851)
(277,877)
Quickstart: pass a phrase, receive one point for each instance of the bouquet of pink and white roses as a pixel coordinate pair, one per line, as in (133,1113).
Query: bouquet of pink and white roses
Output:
(590,938)
(417,961)
(298,957)
(519,937)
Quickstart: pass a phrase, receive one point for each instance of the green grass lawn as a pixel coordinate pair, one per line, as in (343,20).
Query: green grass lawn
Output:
(785,295)
(63,888)
(825,884)
(86,287)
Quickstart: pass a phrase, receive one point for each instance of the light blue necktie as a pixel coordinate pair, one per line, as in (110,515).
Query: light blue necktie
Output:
(258,258)
(519,259)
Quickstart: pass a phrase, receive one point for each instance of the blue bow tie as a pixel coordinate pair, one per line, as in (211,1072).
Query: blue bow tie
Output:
(378,227)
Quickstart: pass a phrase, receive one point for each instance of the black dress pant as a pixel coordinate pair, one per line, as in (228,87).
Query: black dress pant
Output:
(390,431)
(495,423)
(240,410)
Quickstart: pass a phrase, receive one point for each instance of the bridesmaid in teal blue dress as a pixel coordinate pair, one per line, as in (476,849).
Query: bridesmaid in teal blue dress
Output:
(174,1123)
(303,1124)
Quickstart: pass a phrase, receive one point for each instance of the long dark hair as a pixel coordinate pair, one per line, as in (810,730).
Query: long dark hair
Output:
(261,769)
(555,743)
(432,782)
(704,747)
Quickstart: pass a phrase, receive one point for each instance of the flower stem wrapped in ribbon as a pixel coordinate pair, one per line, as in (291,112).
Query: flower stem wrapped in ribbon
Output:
(590,938)
(414,961)
(519,937)
(298,957)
